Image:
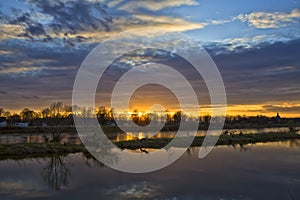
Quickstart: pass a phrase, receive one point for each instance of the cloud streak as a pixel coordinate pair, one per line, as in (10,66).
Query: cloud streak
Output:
(154,5)
(18,70)
(11,31)
(284,108)
(263,20)
(171,23)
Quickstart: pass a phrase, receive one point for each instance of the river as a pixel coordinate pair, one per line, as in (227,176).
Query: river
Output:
(256,171)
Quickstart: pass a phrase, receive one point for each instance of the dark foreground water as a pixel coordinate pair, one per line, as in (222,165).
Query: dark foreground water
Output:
(261,171)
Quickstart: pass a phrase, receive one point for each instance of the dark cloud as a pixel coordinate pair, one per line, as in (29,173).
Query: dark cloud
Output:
(33,28)
(30,97)
(267,72)
(51,79)
(282,109)
(47,20)
(41,58)
(252,76)
(74,16)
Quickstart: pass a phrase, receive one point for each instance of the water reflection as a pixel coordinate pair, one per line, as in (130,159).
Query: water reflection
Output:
(293,144)
(241,147)
(20,189)
(287,144)
(56,173)
(262,171)
(90,161)
(139,190)
(72,138)
(68,138)
(144,150)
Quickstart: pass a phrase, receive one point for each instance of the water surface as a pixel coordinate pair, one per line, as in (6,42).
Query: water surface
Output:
(72,138)
(261,171)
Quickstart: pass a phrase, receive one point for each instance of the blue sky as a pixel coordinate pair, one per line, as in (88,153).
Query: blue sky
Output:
(43,42)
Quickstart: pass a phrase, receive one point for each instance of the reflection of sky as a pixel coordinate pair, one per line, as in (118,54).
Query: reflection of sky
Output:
(251,172)
(42,44)
(74,139)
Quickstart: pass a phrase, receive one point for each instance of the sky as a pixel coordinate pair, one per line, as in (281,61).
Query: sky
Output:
(255,45)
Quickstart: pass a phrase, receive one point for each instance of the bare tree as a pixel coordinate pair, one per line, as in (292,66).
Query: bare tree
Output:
(1,112)
(55,109)
(46,112)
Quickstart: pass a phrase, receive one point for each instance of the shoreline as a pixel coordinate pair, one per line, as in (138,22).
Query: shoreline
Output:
(109,129)
(34,150)
(237,139)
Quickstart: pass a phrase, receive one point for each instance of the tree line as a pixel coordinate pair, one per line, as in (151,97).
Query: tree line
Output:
(60,114)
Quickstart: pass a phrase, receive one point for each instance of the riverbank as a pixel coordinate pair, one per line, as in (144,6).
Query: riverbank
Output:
(52,129)
(30,150)
(116,129)
(19,151)
(241,139)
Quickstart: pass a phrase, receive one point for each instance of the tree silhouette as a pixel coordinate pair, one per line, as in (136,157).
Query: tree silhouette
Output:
(177,117)
(46,112)
(27,115)
(1,112)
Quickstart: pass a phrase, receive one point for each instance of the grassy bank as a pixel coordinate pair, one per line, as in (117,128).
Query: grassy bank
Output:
(223,140)
(51,129)
(19,151)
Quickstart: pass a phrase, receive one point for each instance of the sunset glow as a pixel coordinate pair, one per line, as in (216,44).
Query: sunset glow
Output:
(149,99)
(254,45)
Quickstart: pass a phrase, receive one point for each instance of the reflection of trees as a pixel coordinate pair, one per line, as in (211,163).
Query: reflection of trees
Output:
(90,161)
(241,146)
(99,145)
(144,150)
(56,173)
(294,143)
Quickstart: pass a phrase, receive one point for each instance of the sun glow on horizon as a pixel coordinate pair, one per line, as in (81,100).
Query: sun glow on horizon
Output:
(287,110)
